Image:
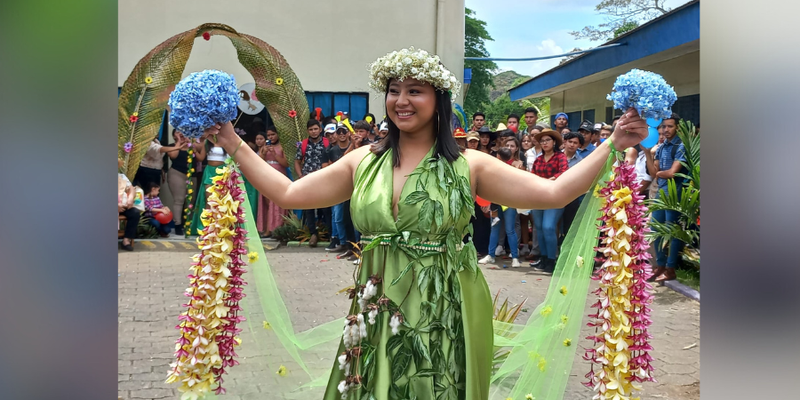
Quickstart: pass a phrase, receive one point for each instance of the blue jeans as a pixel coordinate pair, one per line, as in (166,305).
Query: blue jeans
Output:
(509,219)
(675,245)
(337,227)
(166,228)
(546,221)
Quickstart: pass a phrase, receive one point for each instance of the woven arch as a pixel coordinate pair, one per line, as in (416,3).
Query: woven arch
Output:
(145,93)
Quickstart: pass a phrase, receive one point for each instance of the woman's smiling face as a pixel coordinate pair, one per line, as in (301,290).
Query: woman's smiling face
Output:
(410,104)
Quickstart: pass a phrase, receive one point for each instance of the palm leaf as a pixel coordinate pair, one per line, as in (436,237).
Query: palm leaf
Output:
(691,144)
(666,231)
(688,205)
(165,65)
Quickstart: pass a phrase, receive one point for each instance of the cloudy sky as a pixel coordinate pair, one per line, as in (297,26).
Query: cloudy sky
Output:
(534,28)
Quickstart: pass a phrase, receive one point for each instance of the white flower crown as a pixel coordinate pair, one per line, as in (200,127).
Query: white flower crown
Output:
(416,64)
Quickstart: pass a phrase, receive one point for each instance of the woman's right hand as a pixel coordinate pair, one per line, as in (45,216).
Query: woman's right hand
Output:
(222,135)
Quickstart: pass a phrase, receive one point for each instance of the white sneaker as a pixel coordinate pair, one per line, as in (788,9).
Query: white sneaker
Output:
(486,260)
(524,251)
(495,220)
(499,251)
(515,263)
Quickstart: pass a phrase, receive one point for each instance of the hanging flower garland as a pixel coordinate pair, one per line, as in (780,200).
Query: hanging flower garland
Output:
(620,344)
(209,325)
(187,211)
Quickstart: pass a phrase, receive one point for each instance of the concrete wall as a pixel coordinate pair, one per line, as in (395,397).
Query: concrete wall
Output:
(683,73)
(328,44)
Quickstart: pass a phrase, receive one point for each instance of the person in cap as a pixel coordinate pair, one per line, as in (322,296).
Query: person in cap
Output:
(572,142)
(461,137)
(330,131)
(337,149)
(560,122)
(549,165)
(398,195)
(473,140)
(587,147)
(383,130)
(596,133)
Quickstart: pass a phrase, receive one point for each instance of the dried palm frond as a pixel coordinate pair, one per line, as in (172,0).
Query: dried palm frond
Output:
(146,91)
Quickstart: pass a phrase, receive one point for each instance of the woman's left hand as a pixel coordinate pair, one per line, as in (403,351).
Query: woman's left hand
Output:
(630,130)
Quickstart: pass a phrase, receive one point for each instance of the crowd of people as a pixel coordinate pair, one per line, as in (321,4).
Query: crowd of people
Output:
(548,152)
(533,235)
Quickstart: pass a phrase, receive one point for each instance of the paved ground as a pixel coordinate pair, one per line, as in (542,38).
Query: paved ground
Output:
(152,280)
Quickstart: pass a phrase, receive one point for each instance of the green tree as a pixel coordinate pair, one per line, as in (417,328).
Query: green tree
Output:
(475,36)
(621,14)
(626,27)
(501,107)
(498,110)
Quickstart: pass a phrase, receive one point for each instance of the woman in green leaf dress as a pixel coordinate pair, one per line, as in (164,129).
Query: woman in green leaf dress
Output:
(420,322)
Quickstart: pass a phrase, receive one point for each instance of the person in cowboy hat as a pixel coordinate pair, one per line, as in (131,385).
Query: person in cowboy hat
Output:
(502,133)
(549,165)
(487,137)
(461,137)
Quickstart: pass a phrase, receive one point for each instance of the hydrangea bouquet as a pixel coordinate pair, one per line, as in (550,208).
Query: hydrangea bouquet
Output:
(201,100)
(645,91)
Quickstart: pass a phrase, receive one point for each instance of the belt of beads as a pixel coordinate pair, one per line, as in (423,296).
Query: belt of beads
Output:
(430,246)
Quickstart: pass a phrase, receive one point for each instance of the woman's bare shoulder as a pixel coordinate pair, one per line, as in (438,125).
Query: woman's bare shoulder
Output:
(354,158)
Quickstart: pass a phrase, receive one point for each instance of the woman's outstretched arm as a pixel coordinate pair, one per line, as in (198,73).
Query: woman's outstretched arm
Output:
(323,188)
(499,183)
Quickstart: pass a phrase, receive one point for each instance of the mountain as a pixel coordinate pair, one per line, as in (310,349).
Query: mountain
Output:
(504,81)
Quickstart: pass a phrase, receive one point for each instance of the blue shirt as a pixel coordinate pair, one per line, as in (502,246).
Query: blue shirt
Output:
(574,159)
(588,150)
(665,160)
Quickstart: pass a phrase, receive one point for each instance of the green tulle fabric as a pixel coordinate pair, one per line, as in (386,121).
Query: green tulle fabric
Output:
(540,351)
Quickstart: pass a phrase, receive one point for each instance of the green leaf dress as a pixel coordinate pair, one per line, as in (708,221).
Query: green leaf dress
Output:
(443,348)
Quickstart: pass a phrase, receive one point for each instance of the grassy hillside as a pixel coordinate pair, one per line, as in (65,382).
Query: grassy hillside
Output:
(504,81)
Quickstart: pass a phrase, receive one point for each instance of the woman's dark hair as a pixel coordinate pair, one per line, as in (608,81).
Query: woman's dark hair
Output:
(264,134)
(571,135)
(446,145)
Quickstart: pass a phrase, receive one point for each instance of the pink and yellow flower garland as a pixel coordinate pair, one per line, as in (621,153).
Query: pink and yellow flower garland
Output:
(208,326)
(623,315)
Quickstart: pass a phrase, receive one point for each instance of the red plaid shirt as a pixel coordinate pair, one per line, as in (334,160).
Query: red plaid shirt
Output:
(551,168)
(150,203)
